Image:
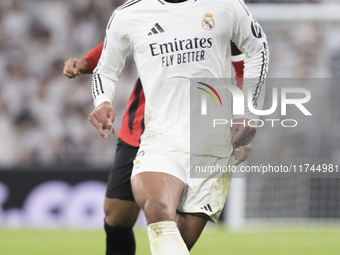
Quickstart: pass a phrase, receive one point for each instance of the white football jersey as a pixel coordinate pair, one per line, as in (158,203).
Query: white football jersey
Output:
(172,43)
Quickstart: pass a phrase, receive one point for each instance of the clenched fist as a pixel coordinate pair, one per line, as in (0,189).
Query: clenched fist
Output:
(241,132)
(74,67)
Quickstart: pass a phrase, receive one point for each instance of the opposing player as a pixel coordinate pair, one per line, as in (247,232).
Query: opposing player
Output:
(160,180)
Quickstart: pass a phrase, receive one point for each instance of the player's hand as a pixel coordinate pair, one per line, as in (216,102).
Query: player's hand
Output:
(74,67)
(242,134)
(102,118)
(242,154)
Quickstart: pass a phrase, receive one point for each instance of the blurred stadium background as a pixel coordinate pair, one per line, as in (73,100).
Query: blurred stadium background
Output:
(54,165)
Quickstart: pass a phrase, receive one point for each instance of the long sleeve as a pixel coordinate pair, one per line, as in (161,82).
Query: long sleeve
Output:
(116,47)
(251,40)
(93,56)
(237,59)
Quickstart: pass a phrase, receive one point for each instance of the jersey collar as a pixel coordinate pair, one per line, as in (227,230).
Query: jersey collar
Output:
(176,4)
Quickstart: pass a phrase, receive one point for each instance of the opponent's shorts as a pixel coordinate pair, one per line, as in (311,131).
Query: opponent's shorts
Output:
(200,195)
(119,182)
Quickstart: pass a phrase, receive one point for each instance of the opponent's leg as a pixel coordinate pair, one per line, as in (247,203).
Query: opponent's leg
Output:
(157,194)
(191,226)
(120,217)
(121,211)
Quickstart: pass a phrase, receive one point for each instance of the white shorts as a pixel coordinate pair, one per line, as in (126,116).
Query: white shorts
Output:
(200,195)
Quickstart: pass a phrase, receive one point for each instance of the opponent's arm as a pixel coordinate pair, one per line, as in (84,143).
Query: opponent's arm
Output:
(76,66)
(93,57)
(251,40)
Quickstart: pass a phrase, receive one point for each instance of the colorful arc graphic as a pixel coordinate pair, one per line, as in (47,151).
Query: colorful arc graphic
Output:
(209,92)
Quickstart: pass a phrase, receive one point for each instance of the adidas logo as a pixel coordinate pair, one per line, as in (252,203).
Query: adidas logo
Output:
(156,29)
(207,208)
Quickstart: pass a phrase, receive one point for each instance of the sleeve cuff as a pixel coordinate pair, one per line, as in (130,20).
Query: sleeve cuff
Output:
(101,99)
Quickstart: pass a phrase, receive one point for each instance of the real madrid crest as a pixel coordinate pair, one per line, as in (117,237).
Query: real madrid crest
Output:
(208,22)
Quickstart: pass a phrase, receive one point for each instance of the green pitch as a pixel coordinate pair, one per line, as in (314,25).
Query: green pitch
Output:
(214,241)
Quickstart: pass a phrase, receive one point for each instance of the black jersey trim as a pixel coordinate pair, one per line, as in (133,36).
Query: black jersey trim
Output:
(262,77)
(134,104)
(123,6)
(234,50)
(100,83)
(96,84)
(243,5)
(127,4)
(180,1)
(92,85)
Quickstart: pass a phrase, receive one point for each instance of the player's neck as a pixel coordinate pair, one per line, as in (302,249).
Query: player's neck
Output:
(175,1)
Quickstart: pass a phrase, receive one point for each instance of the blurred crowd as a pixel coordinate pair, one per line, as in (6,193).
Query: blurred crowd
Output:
(44,115)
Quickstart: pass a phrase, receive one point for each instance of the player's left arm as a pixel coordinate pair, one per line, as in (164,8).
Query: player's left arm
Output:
(237,60)
(249,37)
(242,154)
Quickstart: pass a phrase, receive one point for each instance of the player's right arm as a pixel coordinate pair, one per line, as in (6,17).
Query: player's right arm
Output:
(103,117)
(116,47)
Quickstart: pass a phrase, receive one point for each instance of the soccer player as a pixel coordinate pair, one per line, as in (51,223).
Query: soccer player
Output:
(173,42)
(120,210)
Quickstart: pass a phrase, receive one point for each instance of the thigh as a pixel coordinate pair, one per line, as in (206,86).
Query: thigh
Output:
(152,156)
(206,193)
(120,213)
(191,226)
(157,194)
(119,184)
